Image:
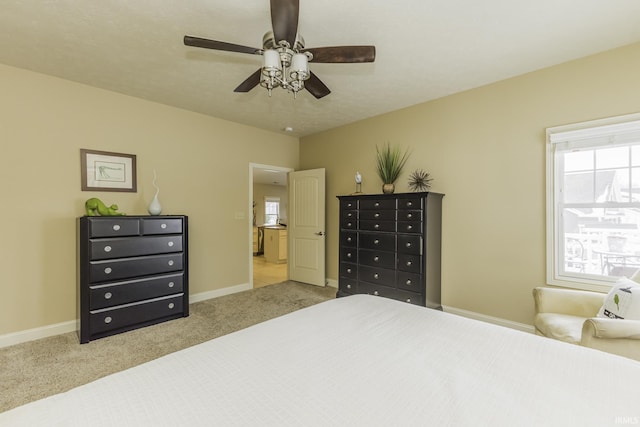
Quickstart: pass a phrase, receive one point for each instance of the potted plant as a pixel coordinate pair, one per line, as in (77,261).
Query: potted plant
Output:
(390,162)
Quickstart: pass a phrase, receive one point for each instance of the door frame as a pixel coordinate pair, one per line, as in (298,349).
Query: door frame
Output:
(253,166)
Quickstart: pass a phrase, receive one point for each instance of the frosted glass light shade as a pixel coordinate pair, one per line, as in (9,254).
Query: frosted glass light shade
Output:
(271,61)
(299,67)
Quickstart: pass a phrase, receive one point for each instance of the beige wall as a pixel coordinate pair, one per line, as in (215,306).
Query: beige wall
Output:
(486,150)
(44,121)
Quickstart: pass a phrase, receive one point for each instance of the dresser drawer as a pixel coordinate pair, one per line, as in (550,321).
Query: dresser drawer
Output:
(410,216)
(377,204)
(161,225)
(410,244)
(348,285)
(378,241)
(410,203)
(409,297)
(375,275)
(377,258)
(348,204)
(113,227)
(378,215)
(125,247)
(350,214)
(349,224)
(129,315)
(348,270)
(108,270)
(378,226)
(409,281)
(409,227)
(410,263)
(348,254)
(376,289)
(349,238)
(101,296)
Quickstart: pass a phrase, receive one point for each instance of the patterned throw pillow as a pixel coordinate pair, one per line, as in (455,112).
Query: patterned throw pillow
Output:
(623,301)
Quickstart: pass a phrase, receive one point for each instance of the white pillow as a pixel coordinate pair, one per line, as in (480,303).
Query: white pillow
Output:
(622,301)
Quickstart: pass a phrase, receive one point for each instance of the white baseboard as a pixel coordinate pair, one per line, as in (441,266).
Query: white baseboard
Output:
(489,319)
(72,325)
(332,283)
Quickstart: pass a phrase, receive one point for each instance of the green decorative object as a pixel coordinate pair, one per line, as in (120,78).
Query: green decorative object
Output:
(95,207)
(419,180)
(390,162)
(616,299)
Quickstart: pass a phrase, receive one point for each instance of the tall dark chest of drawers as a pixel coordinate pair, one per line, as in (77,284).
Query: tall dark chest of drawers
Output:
(390,246)
(133,272)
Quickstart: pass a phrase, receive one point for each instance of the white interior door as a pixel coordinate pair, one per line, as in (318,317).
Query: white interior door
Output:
(306,226)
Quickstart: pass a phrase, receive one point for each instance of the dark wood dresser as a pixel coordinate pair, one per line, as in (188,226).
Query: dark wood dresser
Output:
(390,246)
(133,272)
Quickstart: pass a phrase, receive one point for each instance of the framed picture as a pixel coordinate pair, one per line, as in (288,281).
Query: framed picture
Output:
(104,171)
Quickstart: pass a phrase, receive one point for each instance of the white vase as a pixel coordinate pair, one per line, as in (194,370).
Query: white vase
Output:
(154,207)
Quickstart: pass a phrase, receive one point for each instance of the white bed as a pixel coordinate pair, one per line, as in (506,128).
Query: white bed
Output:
(359,360)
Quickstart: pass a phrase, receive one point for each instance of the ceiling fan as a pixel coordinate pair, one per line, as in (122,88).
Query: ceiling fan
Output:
(285,58)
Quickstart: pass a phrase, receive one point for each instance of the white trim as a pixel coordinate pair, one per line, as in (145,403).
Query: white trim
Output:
(332,283)
(38,333)
(489,319)
(203,296)
(72,325)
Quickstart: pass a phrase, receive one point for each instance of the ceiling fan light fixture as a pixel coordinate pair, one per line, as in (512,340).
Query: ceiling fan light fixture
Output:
(299,67)
(271,62)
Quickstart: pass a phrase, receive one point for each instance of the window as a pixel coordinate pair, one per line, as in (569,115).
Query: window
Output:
(593,196)
(271,210)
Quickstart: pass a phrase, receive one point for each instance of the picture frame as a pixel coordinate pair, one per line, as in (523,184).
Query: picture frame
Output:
(107,171)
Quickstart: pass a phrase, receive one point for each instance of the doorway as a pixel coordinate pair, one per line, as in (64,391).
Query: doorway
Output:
(268,197)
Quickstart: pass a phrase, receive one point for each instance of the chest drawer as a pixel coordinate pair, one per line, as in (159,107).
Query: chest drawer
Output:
(377,258)
(409,263)
(126,247)
(410,244)
(378,226)
(101,296)
(409,215)
(346,203)
(113,227)
(130,315)
(348,254)
(349,224)
(161,225)
(378,241)
(347,285)
(410,203)
(377,204)
(109,270)
(409,281)
(378,215)
(348,270)
(350,214)
(349,238)
(376,275)
(409,227)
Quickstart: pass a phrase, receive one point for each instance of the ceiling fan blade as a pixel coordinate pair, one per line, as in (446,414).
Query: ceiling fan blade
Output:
(284,20)
(343,54)
(252,81)
(214,44)
(315,86)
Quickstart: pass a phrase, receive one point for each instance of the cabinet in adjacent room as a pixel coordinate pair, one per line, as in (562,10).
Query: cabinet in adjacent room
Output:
(390,246)
(133,272)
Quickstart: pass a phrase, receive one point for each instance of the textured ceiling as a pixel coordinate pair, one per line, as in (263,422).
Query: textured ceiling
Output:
(426,49)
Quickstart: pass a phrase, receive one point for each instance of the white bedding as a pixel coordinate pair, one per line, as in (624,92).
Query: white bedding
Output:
(359,360)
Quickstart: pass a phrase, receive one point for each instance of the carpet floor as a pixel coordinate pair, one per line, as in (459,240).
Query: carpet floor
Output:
(40,368)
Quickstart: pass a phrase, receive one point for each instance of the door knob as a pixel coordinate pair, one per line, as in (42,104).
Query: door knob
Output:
(319,233)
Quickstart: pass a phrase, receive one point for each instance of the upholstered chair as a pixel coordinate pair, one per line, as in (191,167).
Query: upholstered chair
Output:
(570,316)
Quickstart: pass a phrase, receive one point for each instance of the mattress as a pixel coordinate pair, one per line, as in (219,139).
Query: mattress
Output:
(358,360)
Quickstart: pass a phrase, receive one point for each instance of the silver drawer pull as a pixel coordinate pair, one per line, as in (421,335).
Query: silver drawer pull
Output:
(409,215)
(108,270)
(163,226)
(171,305)
(108,319)
(376,204)
(376,293)
(349,214)
(376,276)
(348,286)
(171,284)
(408,282)
(349,270)
(170,244)
(408,299)
(170,262)
(107,248)
(108,295)
(349,205)
(376,226)
(349,255)
(409,227)
(376,258)
(408,244)
(409,203)
(377,215)
(376,242)
(116,227)
(348,225)
(409,263)
(349,239)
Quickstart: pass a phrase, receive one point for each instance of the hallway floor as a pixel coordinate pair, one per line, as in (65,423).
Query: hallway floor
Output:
(267,273)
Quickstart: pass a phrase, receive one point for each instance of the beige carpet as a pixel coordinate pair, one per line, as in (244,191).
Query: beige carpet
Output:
(37,369)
